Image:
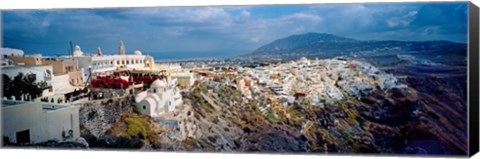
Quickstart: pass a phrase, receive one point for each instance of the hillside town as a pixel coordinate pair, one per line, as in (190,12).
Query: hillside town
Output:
(315,81)
(62,92)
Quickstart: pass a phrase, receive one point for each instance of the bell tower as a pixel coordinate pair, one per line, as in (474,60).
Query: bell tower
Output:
(121,48)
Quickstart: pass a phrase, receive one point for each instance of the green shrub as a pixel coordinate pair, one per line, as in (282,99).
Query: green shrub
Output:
(272,117)
(136,108)
(196,93)
(202,88)
(254,107)
(206,106)
(138,126)
(324,132)
(351,113)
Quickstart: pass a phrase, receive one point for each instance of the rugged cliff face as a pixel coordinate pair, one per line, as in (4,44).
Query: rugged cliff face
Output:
(395,121)
(419,119)
(444,104)
(97,118)
(225,121)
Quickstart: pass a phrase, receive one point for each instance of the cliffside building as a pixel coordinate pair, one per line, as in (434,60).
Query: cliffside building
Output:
(162,97)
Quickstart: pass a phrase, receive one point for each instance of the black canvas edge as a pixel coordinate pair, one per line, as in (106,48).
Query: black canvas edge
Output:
(473,80)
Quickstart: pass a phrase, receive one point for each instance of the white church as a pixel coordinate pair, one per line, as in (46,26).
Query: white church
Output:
(99,63)
(162,97)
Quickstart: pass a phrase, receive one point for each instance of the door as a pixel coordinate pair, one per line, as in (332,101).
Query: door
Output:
(23,137)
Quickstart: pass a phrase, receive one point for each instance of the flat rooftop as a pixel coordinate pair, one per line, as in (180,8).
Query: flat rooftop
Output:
(6,103)
(45,106)
(48,106)
(25,66)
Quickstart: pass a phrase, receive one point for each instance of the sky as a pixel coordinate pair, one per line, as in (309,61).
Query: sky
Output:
(215,31)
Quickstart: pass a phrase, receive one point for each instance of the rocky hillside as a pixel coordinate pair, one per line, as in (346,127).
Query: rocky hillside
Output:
(385,122)
(226,122)
(443,99)
(97,118)
(217,118)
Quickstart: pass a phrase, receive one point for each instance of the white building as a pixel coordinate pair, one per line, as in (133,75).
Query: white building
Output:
(334,93)
(184,79)
(11,52)
(107,63)
(388,81)
(173,67)
(33,122)
(162,97)
(304,62)
(41,73)
(335,65)
(7,52)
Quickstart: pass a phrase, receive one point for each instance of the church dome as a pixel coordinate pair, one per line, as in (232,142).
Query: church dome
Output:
(77,52)
(137,52)
(158,84)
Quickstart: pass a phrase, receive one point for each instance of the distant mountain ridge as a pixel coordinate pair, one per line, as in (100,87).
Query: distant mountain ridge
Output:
(330,45)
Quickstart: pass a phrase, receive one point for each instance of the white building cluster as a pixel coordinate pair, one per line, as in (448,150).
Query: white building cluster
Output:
(318,81)
(163,95)
(40,120)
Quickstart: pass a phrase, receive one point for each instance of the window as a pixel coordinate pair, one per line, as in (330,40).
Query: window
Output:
(128,62)
(144,107)
(23,136)
(118,62)
(71,120)
(154,90)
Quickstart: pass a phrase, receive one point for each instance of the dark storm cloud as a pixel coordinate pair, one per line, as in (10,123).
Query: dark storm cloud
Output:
(230,30)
